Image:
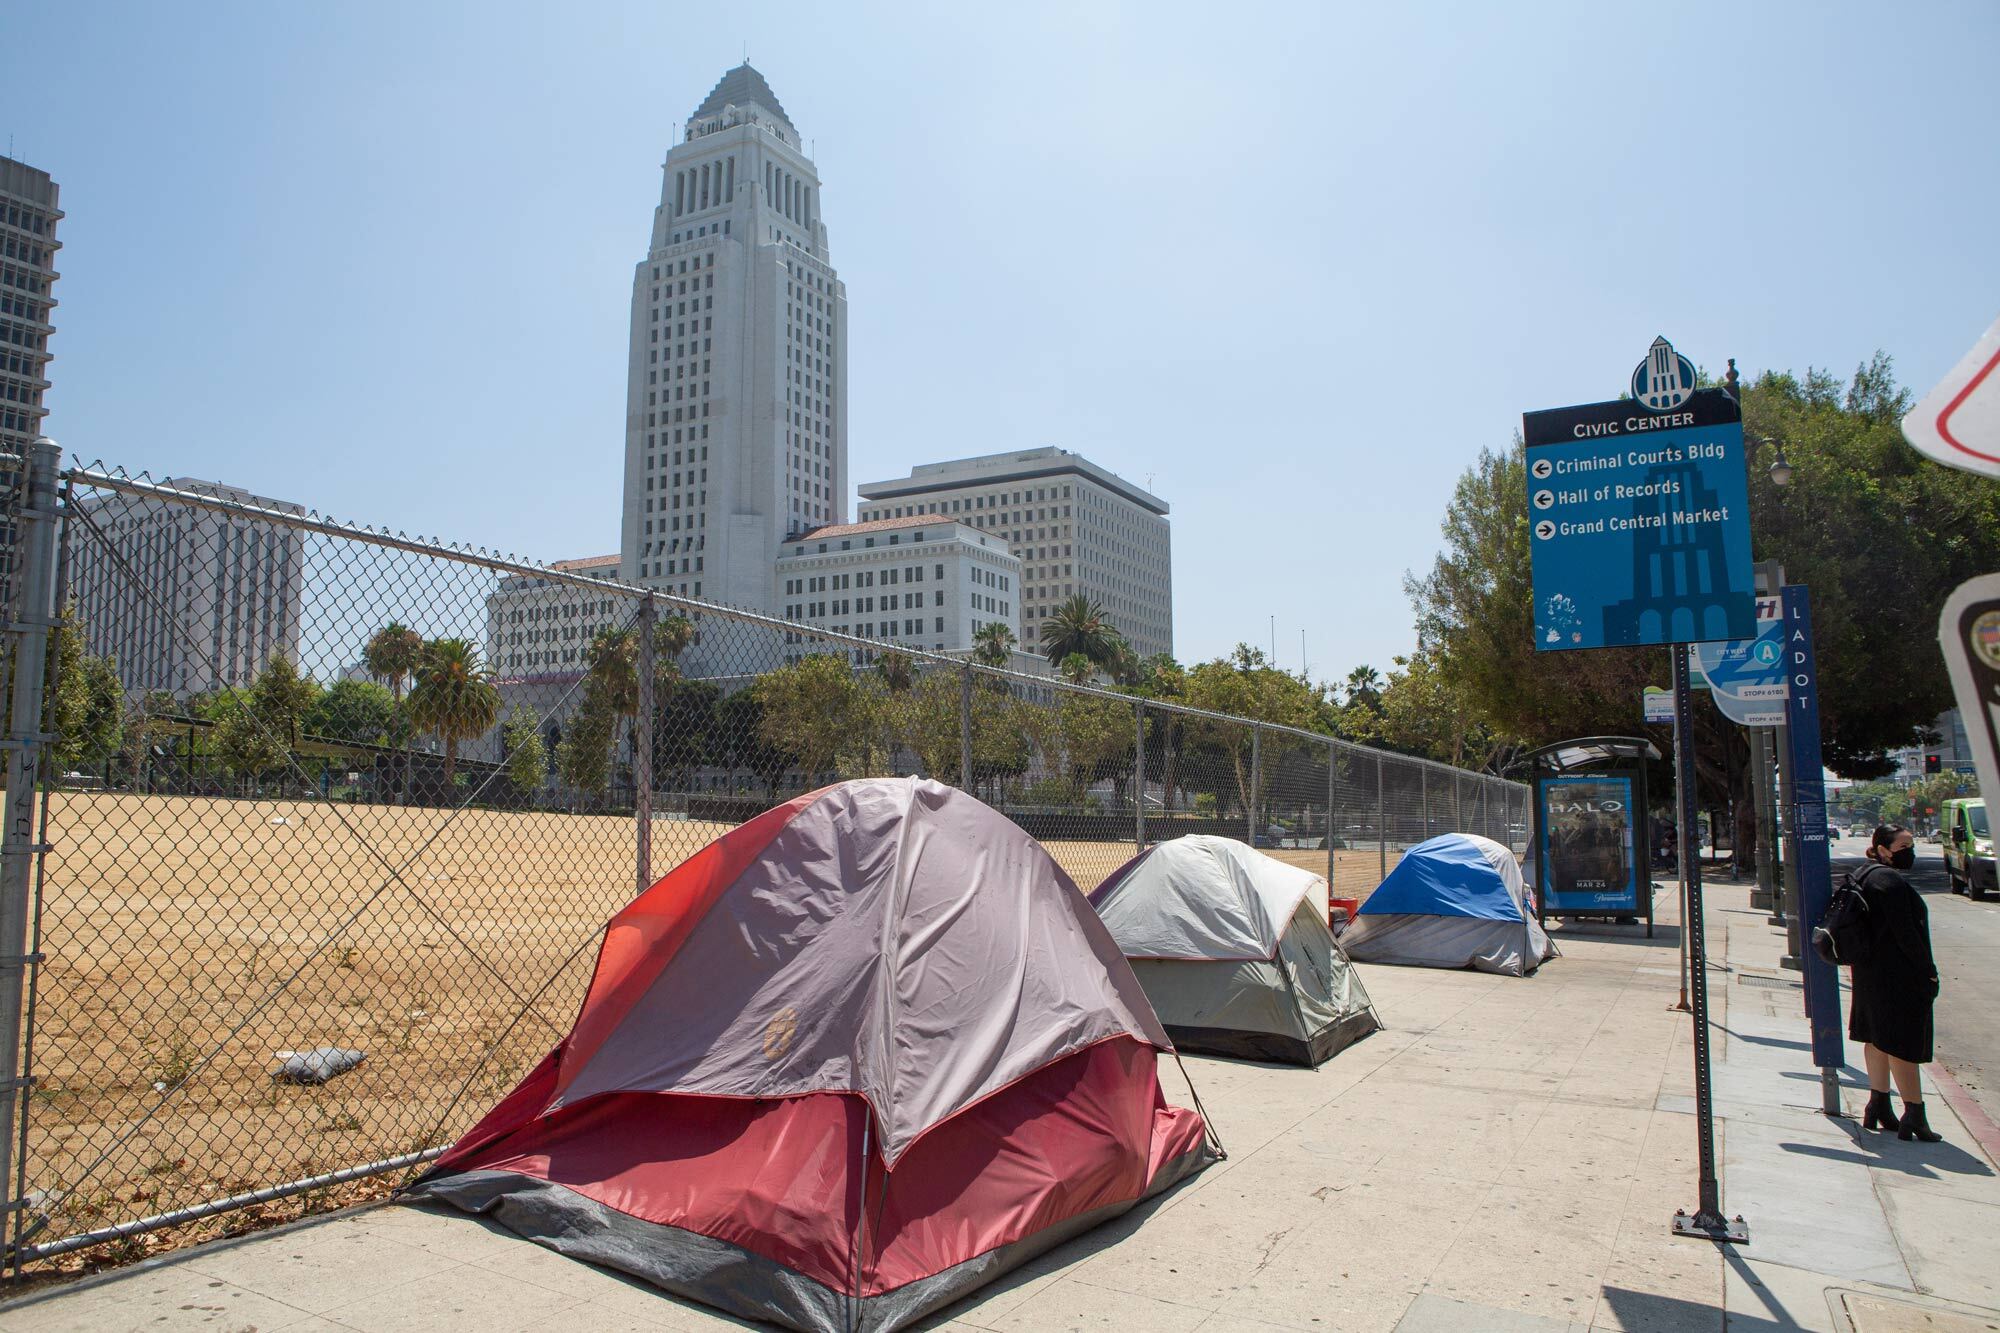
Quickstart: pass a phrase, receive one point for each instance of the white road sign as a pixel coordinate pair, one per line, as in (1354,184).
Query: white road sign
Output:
(1958,423)
(1969,633)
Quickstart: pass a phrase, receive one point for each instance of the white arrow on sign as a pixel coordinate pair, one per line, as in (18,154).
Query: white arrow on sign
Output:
(1958,422)
(1544,499)
(1542,469)
(1545,529)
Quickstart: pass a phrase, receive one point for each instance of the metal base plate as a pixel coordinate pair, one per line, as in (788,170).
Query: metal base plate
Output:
(1711,1226)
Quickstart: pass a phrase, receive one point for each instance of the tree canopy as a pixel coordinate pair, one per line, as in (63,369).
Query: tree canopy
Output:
(1878,533)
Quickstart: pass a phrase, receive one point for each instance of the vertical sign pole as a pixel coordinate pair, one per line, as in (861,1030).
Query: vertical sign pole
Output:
(1708,1221)
(1681,849)
(1760,774)
(1806,821)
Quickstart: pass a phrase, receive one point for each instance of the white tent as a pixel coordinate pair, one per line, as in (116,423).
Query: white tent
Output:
(1233,949)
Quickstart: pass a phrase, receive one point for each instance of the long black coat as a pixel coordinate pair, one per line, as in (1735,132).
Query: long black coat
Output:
(1893,990)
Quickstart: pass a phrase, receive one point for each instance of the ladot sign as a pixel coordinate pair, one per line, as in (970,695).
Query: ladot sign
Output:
(1639,514)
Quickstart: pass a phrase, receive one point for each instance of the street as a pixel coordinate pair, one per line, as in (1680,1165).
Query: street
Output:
(1965,938)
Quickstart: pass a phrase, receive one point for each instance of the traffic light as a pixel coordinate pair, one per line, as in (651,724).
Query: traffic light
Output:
(1933,763)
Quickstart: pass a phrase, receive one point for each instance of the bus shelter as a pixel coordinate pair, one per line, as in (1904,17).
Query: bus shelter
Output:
(1592,838)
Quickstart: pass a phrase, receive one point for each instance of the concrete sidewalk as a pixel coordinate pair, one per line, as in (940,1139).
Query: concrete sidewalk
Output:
(1505,1157)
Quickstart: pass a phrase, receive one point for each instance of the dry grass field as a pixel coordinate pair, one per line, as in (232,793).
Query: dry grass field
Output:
(190,940)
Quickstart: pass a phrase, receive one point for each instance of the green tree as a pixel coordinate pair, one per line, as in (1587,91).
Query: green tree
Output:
(89,704)
(245,743)
(1077,669)
(1418,711)
(1079,625)
(391,656)
(351,712)
(527,763)
(684,729)
(992,643)
(1247,685)
(740,741)
(1097,740)
(583,755)
(815,708)
(1881,535)
(453,698)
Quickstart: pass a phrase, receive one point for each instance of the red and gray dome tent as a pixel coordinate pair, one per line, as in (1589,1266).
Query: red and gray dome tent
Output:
(852,1060)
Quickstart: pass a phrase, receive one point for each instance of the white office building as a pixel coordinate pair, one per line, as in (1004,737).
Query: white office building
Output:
(736,412)
(537,628)
(28,245)
(187,599)
(1075,527)
(922,581)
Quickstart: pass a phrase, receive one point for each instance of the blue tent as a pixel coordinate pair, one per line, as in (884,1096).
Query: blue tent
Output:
(1454,901)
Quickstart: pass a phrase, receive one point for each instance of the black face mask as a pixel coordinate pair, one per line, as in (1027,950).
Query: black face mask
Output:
(1904,859)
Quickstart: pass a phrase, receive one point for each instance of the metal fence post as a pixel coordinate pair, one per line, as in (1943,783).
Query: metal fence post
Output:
(1332,807)
(965,729)
(1256,774)
(642,763)
(1381,820)
(33,617)
(1139,775)
(1424,781)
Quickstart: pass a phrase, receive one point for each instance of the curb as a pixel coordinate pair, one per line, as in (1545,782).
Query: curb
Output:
(1969,1112)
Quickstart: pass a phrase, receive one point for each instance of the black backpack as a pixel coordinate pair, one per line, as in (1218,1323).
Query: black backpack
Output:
(1846,935)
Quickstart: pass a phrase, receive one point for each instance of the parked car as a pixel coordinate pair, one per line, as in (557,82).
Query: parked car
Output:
(1968,846)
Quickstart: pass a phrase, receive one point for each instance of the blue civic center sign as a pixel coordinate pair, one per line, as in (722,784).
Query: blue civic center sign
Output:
(1638,513)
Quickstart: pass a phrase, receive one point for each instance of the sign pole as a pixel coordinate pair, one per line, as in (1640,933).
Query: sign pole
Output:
(1680,847)
(1707,1221)
(1806,818)
(1639,533)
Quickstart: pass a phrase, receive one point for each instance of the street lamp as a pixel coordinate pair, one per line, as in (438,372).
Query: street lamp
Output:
(1768,893)
(1781,467)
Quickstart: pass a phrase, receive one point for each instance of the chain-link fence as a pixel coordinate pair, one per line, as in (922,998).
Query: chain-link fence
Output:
(330,821)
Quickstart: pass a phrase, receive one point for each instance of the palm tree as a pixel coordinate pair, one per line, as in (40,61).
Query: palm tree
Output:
(1077,669)
(612,660)
(991,643)
(672,636)
(1078,626)
(391,656)
(1364,682)
(897,671)
(453,697)
(1123,664)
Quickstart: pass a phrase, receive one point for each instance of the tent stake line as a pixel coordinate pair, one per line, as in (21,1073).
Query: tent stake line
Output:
(159,1221)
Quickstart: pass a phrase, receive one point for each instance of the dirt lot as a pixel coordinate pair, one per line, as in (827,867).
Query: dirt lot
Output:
(189,940)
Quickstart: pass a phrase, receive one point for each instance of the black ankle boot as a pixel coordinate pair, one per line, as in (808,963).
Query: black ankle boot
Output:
(1914,1126)
(1881,1112)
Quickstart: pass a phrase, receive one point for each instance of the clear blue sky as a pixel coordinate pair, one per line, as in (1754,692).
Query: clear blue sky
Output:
(1292,266)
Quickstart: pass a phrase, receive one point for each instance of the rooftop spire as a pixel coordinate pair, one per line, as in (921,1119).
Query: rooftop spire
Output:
(740,87)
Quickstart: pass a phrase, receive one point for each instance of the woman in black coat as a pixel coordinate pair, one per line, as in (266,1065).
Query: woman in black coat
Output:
(1893,989)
